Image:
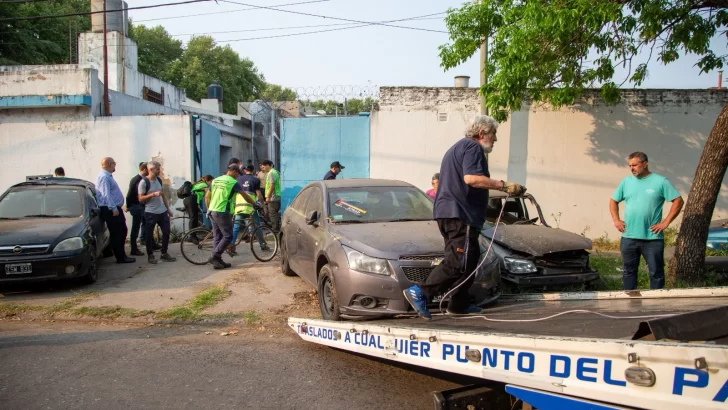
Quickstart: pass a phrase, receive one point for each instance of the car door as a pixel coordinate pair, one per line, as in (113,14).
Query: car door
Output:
(293,218)
(310,236)
(98,227)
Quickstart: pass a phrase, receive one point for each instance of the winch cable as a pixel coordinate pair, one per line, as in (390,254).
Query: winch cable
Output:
(484,317)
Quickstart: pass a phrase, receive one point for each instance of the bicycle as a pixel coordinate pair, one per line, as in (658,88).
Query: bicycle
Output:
(184,218)
(196,244)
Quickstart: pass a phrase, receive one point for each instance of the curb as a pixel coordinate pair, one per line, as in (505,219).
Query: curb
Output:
(624,294)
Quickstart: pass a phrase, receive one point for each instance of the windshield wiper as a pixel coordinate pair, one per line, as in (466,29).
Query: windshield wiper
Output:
(353,221)
(406,220)
(43,216)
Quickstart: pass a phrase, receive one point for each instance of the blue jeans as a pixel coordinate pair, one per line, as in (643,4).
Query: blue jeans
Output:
(654,253)
(239,221)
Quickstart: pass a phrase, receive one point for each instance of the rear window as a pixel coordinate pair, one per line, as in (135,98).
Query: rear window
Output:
(45,202)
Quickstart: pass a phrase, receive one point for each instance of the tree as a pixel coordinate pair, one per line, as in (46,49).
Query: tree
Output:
(157,50)
(353,106)
(552,51)
(274,92)
(203,62)
(50,41)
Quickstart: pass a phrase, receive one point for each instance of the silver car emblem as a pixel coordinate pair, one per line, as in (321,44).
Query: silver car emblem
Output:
(436,262)
(17,249)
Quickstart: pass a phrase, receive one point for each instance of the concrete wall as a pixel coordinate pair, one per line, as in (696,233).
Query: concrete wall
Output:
(126,105)
(45,80)
(35,141)
(570,159)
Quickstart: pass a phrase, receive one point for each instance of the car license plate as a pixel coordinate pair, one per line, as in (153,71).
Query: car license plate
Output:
(18,268)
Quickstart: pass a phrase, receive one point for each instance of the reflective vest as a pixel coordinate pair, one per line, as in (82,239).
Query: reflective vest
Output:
(199,190)
(221,196)
(242,206)
(276,183)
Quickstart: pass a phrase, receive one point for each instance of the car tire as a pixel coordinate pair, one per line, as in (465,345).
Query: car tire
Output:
(285,264)
(93,271)
(328,301)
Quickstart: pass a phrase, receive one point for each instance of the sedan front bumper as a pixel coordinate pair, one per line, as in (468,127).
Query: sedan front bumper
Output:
(547,280)
(45,267)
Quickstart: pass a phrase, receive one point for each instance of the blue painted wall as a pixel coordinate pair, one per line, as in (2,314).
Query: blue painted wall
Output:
(210,149)
(310,145)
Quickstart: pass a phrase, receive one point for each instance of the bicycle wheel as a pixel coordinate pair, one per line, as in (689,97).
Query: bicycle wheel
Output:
(266,250)
(196,246)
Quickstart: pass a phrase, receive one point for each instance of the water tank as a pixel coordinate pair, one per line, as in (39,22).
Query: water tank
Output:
(214,91)
(462,81)
(116,21)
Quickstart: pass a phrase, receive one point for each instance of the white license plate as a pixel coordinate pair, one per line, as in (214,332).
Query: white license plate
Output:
(18,268)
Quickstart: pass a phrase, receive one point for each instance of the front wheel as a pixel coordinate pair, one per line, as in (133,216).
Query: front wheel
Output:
(93,272)
(196,246)
(285,263)
(264,244)
(328,301)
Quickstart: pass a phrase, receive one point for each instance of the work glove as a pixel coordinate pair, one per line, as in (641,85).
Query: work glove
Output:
(513,189)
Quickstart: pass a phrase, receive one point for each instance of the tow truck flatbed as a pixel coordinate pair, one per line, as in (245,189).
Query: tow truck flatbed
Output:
(572,357)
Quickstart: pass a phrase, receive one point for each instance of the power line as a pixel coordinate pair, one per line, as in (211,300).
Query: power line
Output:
(297,27)
(88,13)
(230,11)
(333,18)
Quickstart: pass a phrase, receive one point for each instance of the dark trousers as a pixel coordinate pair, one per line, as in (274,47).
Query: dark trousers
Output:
(152,220)
(117,230)
(222,232)
(137,225)
(456,266)
(273,212)
(193,210)
(653,251)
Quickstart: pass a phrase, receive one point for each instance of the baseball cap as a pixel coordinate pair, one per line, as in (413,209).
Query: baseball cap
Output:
(337,164)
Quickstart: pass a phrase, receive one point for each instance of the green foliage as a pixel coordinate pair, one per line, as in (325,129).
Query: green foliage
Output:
(274,92)
(41,41)
(157,50)
(203,62)
(551,51)
(354,105)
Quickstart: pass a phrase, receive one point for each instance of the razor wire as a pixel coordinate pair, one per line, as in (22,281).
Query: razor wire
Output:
(336,92)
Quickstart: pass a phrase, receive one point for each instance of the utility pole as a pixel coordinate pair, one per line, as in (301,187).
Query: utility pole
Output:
(107,108)
(483,69)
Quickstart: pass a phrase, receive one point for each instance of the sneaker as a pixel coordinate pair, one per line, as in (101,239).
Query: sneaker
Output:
(470,310)
(227,265)
(136,252)
(151,259)
(414,296)
(217,263)
(167,257)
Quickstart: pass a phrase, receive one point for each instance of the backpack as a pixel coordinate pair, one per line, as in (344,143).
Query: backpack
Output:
(185,190)
(147,183)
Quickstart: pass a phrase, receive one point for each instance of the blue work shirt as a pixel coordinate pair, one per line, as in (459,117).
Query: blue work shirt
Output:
(455,198)
(108,193)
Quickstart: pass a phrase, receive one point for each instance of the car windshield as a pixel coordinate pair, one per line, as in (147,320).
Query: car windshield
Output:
(515,210)
(378,204)
(42,202)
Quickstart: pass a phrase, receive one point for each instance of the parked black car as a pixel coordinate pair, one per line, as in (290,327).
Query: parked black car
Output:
(50,229)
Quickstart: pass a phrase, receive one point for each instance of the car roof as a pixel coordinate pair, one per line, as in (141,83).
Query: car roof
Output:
(363,182)
(55,182)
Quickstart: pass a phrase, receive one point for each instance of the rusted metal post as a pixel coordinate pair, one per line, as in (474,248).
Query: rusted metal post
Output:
(107,108)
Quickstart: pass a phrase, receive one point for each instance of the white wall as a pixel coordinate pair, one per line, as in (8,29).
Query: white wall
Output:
(35,141)
(570,159)
(45,80)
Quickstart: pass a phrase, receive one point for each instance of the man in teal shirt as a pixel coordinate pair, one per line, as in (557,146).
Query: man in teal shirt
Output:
(644,194)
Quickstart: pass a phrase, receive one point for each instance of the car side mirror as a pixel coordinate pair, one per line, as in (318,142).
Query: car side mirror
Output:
(312,218)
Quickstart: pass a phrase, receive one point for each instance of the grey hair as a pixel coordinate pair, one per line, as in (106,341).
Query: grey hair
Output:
(153,164)
(641,156)
(480,122)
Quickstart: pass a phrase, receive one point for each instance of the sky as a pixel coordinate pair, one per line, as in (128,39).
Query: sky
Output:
(361,57)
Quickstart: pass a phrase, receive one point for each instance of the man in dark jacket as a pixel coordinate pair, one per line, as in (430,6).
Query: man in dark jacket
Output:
(335,170)
(136,209)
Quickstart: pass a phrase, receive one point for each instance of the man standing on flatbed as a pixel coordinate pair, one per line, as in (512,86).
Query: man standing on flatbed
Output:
(460,214)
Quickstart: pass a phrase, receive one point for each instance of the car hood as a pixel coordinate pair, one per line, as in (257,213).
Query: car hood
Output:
(537,240)
(32,231)
(391,239)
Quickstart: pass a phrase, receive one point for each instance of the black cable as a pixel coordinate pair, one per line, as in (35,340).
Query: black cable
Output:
(332,18)
(88,13)
(231,11)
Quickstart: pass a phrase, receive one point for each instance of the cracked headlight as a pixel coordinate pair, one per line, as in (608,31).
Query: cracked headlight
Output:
(362,263)
(70,244)
(514,265)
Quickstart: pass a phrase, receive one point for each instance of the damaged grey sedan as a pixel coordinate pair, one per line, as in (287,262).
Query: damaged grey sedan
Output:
(530,252)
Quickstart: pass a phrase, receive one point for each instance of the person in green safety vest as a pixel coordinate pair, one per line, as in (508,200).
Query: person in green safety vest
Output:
(272,194)
(244,210)
(192,202)
(220,200)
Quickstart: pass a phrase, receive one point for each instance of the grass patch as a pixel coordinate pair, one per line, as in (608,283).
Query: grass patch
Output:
(107,312)
(605,243)
(251,317)
(193,309)
(12,309)
(716,252)
(71,302)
